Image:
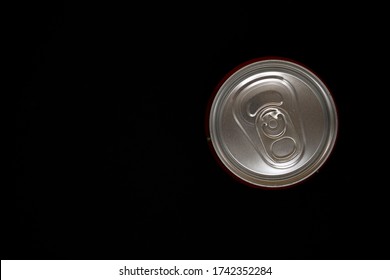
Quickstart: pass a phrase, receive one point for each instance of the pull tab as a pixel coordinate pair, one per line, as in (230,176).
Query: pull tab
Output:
(267,112)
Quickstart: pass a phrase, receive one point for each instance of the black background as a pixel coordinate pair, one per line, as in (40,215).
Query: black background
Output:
(111,155)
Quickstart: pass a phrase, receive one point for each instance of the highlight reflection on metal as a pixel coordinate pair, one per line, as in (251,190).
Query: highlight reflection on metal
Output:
(273,123)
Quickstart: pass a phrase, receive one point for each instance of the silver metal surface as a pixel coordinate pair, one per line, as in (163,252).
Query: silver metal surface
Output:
(273,123)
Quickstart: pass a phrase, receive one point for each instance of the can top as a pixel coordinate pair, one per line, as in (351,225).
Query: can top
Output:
(272,123)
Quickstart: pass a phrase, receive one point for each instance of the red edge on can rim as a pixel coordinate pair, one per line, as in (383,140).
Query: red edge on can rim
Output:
(207,121)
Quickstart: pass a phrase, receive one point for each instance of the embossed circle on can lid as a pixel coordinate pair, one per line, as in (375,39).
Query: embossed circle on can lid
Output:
(272,123)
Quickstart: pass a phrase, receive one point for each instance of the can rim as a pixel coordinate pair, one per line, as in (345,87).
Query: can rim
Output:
(305,173)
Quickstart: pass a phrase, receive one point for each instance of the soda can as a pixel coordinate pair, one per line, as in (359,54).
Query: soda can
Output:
(272,123)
